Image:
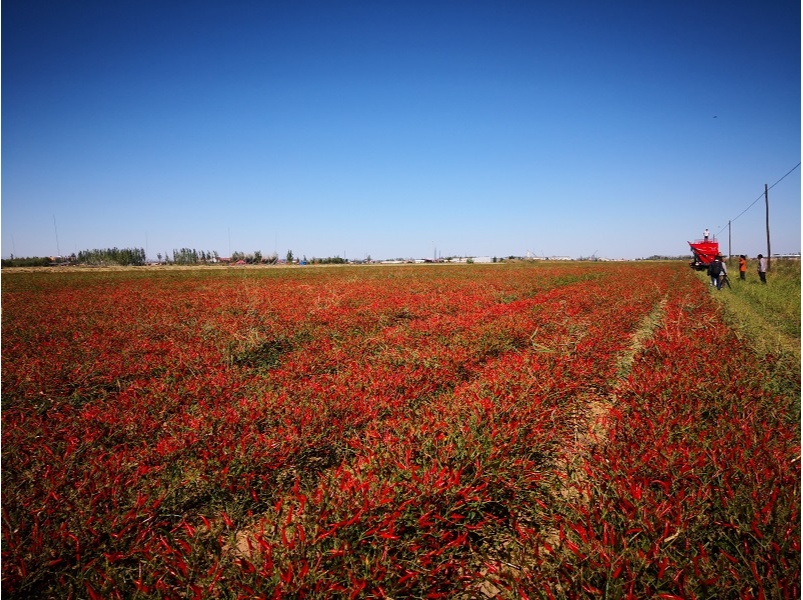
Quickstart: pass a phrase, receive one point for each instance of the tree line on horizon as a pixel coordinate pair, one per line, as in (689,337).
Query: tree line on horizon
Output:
(108,256)
(125,257)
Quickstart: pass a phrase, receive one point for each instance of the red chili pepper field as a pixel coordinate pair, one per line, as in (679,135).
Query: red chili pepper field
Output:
(578,430)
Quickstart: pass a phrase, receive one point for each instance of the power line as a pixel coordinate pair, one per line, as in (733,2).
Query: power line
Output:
(760,197)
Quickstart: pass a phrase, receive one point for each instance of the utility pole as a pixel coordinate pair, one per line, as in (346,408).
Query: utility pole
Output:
(729,241)
(58,250)
(767,206)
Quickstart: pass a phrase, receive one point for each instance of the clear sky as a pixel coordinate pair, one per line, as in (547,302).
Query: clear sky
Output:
(399,129)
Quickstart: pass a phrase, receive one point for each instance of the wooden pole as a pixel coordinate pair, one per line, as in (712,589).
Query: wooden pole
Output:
(730,254)
(767,207)
(56,229)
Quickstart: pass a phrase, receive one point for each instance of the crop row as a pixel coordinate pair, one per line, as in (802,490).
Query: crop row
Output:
(693,488)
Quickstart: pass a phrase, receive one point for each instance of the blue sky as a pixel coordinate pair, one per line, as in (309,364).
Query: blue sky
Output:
(399,129)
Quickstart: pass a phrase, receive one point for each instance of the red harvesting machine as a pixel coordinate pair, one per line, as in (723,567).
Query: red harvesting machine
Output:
(704,252)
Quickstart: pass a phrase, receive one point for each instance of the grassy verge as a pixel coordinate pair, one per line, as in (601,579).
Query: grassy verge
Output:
(768,318)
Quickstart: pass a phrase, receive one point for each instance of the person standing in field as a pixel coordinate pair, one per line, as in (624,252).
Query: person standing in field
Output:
(714,270)
(723,272)
(742,266)
(762,268)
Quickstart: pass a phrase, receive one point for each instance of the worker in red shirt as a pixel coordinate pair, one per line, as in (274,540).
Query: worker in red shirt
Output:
(742,266)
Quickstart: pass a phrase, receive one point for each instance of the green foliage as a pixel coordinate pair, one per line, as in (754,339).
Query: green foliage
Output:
(255,258)
(31,261)
(191,256)
(336,260)
(767,317)
(185,256)
(769,313)
(113,256)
